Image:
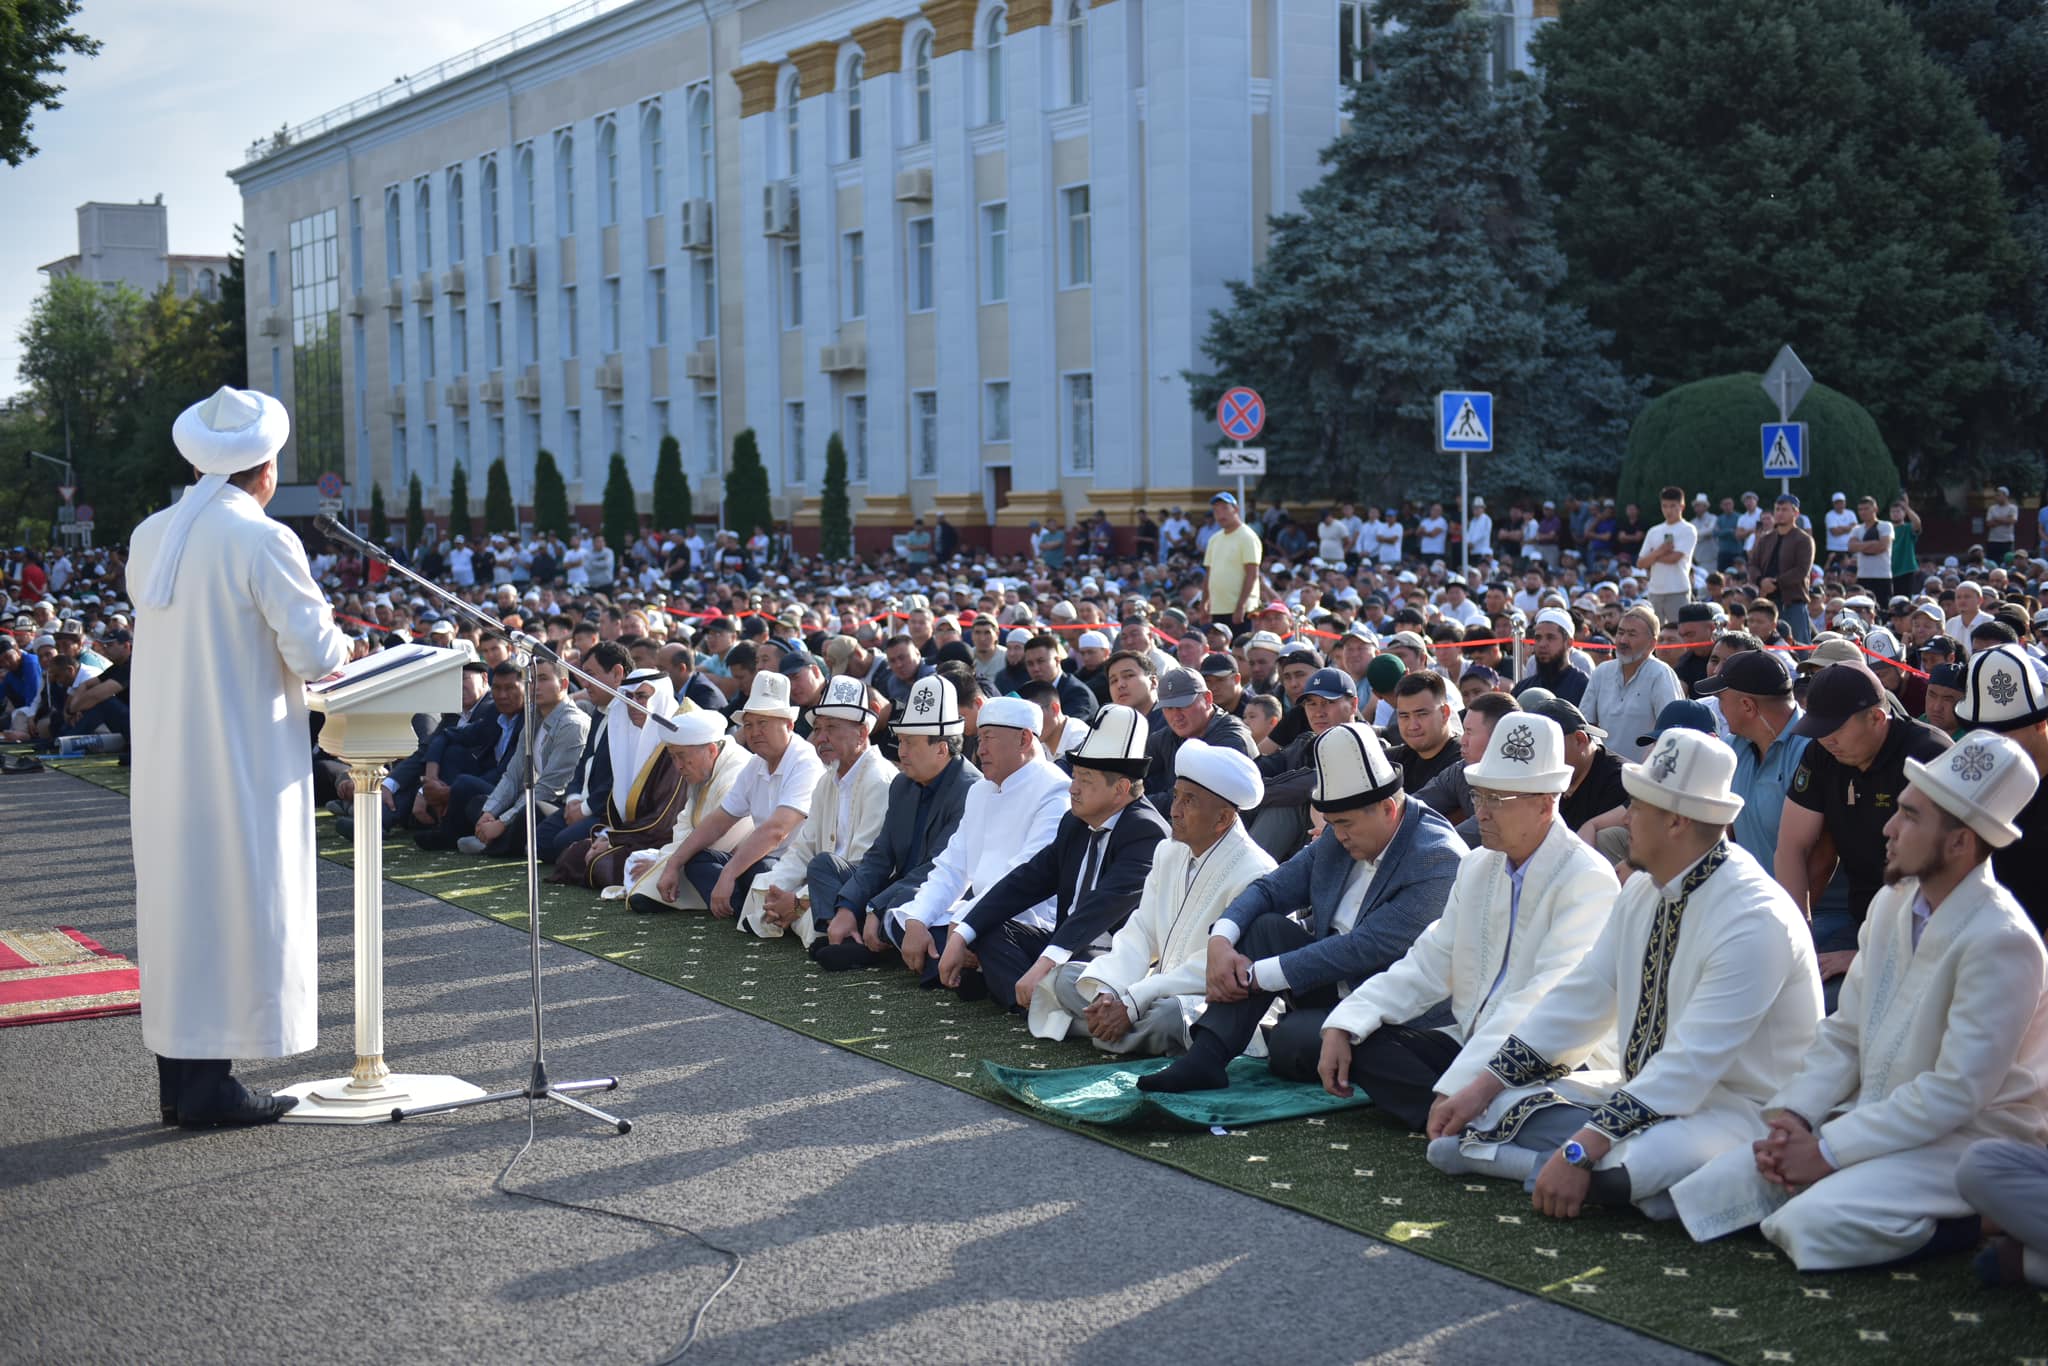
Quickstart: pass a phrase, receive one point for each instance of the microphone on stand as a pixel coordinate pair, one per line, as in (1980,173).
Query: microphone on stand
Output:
(338,535)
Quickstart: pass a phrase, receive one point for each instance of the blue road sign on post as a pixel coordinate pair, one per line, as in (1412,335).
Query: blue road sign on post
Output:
(1241,414)
(1784,447)
(1464,421)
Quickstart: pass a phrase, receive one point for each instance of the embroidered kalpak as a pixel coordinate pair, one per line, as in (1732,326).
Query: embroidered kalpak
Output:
(1646,1034)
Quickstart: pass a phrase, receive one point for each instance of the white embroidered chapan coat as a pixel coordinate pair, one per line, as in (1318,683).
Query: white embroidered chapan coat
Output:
(1737,1012)
(1159,958)
(643,870)
(1568,892)
(1930,1049)
(226,913)
(868,803)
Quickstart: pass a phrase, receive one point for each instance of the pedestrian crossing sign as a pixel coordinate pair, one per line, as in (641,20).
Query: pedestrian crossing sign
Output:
(1784,447)
(1464,421)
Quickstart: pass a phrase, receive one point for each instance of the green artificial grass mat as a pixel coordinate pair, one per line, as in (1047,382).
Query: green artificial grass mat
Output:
(1738,1299)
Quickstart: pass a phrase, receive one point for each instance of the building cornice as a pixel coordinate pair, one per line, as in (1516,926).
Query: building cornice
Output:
(881,47)
(817,68)
(952,24)
(757,87)
(1028,14)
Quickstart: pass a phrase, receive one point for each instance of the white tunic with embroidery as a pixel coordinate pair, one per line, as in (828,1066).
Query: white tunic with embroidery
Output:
(846,817)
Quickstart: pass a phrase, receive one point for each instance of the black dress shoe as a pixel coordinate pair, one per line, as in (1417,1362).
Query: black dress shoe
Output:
(170,1079)
(212,1099)
(257,1109)
(435,840)
(646,905)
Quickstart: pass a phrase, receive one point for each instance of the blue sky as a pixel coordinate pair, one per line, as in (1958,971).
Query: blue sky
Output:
(177,94)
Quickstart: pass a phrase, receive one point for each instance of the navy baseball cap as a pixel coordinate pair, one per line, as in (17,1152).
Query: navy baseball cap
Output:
(1791,498)
(1329,684)
(1682,713)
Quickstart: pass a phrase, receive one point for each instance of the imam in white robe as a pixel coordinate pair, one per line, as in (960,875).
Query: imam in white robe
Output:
(865,793)
(1001,825)
(226,910)
(1930,1049)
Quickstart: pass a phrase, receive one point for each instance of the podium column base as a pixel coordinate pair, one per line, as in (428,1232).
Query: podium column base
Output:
(336,1101)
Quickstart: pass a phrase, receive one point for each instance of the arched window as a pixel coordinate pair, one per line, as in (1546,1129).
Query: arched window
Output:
(394,240)
(1076,47)
(525,193)
(701,146)
(490,206)
(423,223)
(853,76)
(565,183)
(792,153)
(206,282)
(653,161)
(992,63)
(921,86)
(607,172)
(455,209)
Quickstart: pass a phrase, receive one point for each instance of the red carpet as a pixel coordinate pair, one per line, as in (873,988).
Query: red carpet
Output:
(61,974)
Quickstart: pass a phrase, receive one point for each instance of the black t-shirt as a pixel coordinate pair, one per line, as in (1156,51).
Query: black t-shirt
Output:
(2022,866)
(1854,804)
(1416,770)
(1600,793)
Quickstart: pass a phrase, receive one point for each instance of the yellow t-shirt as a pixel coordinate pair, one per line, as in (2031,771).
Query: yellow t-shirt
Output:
(1228,554)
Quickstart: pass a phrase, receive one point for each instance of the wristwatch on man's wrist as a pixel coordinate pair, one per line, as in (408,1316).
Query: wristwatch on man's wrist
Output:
(1575,1155)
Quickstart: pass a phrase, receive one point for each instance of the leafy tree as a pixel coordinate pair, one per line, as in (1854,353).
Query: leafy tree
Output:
(1752,172)
(1423,260)
(458,501)
(621,513)
(34,36)
(500,513)
(835,515)
(1703,437)
(415,515)
(673,506)
(550,496)
(747,504)
(380,523)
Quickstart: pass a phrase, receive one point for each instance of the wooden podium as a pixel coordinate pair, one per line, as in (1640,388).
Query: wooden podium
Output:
(369,707)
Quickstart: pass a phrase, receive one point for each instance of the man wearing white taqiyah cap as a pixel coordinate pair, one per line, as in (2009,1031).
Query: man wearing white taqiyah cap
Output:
(847,806)
(1091,871)
(1702,984)
(1371,882)
(1142,996)
(2006,691)
(228,620)
(1523,911)
(1552,666)
(1010,815)
(704,761)
(1941,1039)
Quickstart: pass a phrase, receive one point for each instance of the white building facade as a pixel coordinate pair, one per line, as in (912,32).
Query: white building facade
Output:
(979,239)
(130,244)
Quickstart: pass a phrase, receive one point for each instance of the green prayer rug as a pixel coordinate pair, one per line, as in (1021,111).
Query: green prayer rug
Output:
(1108,1094)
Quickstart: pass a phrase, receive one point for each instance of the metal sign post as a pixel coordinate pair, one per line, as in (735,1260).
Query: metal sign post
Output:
(1464,423)
(1241,413)
(1786,382)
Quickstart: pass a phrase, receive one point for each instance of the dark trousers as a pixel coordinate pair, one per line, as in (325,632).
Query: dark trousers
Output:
(1007,953)
(557,833)
(704,871)
(1294,1046)
(467,794)
(1399,1067)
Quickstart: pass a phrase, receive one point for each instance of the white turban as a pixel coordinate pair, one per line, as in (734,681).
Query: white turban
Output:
(235,430)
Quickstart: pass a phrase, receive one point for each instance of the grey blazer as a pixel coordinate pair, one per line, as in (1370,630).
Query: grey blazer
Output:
(562,733)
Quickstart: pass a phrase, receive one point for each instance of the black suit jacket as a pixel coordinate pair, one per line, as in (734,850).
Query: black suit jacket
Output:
(1053,871)
(594,769)
(893,869)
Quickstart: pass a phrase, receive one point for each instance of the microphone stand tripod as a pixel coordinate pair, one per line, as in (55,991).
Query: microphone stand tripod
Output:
(538,1085)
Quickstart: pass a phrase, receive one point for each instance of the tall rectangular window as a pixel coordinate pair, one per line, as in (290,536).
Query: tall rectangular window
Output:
(355,242)
(423,222)
(924,426)
(426,346)
(657,419)
(608,315)
(565,183)
(529,432)
(706,290)
(394,235)
(430,454)
(614,429)
(458,340)
(490,206)
(995,253)
(657,305)
(572,443)
(995,412)
(273,279)
(397,353)
(456,245)
(529,327)
(400,468)
(712,456)
(276,370)
(792,286)
(1080,266)
(494,335)
(1354,40)
(856,438)
(569,328)
(460,456)
(1080,434)
(793,442)
(494,439)
(854,301)
(920,274)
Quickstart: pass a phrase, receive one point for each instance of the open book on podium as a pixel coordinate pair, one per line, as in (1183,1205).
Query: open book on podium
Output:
(370,702)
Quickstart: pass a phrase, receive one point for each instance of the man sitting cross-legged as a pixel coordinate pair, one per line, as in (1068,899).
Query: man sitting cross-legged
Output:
(1523,911)
(707,761)
(1145,993)
(847,807)
(1090,872)
(497,822)
(1371,882)
(1941,1039)
(1703,984)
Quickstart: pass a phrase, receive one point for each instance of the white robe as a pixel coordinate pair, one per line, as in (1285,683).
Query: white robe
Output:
(226,906)
(868,804)
(1930,1049)
(643,869)
(1159,958)
(1001,825)
(1568,891)
(1742,1001)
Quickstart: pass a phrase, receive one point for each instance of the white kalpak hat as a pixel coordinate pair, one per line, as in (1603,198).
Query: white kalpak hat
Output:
(699,727)
(1116,744)
(1013,712)
(846,699)
(1984,782)
(932,709)
(769,696)
(1524,754)
(1352,769)
(1687,772)
(1225,772)
(2005,691)
(235,430)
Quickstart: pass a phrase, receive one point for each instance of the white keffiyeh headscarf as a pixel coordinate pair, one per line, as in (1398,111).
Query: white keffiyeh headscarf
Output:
(632,741)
